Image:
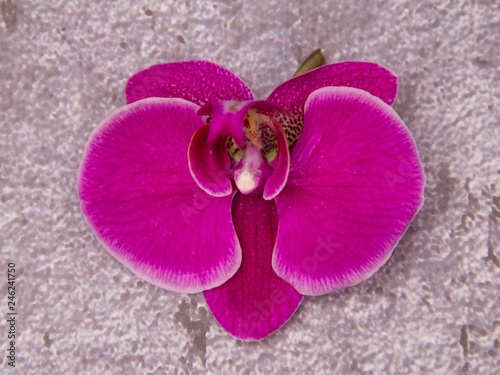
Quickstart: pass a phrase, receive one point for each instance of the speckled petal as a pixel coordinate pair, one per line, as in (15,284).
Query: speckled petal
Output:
(292,94)
(355,184)
(196,81)
(255,302)
(138,195)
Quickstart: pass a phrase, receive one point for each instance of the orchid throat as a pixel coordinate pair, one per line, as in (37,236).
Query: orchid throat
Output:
(244,143)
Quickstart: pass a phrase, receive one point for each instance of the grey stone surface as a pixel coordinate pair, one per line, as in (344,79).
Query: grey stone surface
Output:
(432,309)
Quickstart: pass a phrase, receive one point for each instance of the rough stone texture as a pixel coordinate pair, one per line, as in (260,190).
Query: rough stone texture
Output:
(433,308)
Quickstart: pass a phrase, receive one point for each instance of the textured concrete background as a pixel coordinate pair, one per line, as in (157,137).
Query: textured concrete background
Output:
(432,309)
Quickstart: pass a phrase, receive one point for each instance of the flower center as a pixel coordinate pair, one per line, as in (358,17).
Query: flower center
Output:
(253,162)
(241,144)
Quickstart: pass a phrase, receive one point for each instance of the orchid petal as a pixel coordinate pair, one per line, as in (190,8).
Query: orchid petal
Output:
(292,94)
(138,196)
(196,81)
(355,184)
(368,76)
(255,302)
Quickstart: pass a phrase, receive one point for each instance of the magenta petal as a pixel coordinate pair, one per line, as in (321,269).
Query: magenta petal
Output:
(355,184)
(371,77)
(196,81)
(139,197)
(255,302)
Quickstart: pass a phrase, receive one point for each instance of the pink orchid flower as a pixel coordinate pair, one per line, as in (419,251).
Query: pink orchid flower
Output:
(194,186)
